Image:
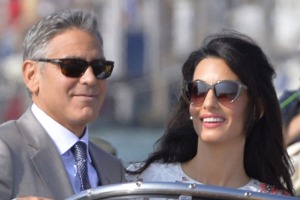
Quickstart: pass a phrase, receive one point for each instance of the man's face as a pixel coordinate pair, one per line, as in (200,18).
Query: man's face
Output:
(72,102)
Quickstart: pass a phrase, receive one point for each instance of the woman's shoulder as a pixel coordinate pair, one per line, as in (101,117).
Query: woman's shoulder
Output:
(156,166)
(168,172)
(257,186)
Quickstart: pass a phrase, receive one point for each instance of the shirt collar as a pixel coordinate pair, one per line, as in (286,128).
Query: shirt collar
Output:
(63,138)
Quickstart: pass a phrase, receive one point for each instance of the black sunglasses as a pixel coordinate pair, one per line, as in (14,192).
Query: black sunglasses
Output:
(75,67)
(226,91)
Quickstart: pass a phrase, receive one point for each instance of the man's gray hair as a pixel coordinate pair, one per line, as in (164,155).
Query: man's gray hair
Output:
(39,35)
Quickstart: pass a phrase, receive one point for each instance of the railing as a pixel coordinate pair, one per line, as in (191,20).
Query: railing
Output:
(163,190)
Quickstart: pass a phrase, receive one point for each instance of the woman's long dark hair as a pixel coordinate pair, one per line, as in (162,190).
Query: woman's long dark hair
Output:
(265,156)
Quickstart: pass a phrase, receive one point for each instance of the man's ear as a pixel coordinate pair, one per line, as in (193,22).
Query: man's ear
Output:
(30,70)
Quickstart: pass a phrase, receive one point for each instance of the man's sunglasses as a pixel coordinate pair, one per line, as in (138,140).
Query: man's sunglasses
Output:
(226,91)
(75,68)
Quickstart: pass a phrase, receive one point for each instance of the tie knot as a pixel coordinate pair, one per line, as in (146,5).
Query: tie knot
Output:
(79,151)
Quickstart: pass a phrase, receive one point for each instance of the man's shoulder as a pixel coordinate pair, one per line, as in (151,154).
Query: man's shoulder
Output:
(103,145)
(10,131)
(7,128)
(99,153)
(12,125)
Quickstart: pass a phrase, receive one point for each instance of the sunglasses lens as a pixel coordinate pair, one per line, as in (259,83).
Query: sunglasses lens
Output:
(73,68)
(102,69)
(196,92)
(226,91)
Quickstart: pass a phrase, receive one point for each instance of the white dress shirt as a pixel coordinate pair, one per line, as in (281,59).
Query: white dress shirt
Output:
(64,139)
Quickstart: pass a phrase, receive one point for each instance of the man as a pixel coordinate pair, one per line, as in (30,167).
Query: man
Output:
(65,71)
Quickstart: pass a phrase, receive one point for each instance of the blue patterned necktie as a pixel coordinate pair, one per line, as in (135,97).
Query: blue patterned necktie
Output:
(80,153)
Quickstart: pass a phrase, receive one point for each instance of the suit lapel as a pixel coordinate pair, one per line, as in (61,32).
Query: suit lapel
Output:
(52,171)
(46,158)
(100,164)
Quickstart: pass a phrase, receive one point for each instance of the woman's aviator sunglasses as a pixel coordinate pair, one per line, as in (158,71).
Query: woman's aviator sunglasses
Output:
(226,91)
(75,68)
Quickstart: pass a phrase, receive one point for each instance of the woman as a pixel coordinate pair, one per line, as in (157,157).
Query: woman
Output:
(226,127)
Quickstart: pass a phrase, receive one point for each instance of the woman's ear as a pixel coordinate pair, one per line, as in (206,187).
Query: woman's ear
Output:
(30,70)
(259,110)
(261,114)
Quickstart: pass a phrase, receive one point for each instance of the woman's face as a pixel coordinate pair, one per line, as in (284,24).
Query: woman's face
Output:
(218,122)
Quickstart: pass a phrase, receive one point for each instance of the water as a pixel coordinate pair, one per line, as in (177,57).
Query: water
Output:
(131,144)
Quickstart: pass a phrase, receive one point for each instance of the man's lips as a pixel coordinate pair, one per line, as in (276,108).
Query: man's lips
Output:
(86,95)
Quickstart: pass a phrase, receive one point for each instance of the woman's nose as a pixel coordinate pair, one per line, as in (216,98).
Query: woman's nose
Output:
(210,100)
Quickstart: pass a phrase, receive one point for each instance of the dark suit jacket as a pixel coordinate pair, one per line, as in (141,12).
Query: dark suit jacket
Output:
(31,165)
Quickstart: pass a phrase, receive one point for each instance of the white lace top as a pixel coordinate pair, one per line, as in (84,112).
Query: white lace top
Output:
(173,173)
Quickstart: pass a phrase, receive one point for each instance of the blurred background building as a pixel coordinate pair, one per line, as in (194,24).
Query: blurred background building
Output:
(149,40)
